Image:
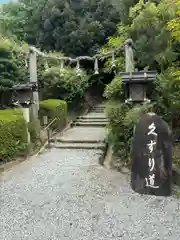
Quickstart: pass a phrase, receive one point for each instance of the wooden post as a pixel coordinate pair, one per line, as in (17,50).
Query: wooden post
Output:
(33,78)
(129,56)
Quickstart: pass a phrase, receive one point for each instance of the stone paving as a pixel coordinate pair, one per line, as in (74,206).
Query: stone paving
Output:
(84,134)
(87,132)
(64,194)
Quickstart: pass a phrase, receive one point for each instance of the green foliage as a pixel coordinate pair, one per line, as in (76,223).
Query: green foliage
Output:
(74,27)
(114,42)
(174,24)
(178,194)
(54,108)
(122,120)
(176,155)
(80,28)
(148,27)
(11,23)
(8,69)
(13,134)
(114,90)
(12,67)
(123,6)
(34,129)
(119,135)
(168,88)
(150,33)
(51,104)
(66,85)
(118,40)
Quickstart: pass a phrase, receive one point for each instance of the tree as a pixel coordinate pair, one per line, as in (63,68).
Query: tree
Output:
(75,27)
(174,24)
(148,29)
(8,70)
(124,6)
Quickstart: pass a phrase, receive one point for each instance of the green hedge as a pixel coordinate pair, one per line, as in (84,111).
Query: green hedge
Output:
(13,134)
(54,108)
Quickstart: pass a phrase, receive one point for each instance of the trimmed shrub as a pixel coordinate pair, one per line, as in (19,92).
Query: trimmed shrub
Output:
(54,108)
(13,134)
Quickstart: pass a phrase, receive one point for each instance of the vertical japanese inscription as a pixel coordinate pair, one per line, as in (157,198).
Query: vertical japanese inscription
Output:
(150,181)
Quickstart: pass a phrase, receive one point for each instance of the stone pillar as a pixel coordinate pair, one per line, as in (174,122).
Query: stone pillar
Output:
(33,78)
(129,56)
(27,119)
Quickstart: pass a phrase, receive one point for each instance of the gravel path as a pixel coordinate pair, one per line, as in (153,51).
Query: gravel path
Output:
(65,194)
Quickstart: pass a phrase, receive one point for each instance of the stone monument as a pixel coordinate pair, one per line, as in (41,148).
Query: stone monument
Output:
(152,141)
(152,156)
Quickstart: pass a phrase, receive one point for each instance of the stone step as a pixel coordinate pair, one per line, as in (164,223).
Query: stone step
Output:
(92,117)
(98,111)
(99,105)
(61,140)
(83,134)
(95,114)
(92,120)
(90,124)
(97,108)
(93,109)
(101,146)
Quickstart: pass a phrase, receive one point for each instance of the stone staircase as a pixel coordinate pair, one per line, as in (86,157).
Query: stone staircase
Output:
(95,118)
(86,132)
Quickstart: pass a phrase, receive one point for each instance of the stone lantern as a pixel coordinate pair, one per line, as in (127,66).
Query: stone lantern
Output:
(136,85)
(24,98)
(24,93)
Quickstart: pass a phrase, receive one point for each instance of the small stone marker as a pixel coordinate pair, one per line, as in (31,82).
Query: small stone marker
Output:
(152,156)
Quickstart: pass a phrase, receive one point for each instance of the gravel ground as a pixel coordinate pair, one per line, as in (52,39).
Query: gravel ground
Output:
(65,194)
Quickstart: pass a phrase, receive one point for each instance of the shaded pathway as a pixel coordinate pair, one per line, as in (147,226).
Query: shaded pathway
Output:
(66,194)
